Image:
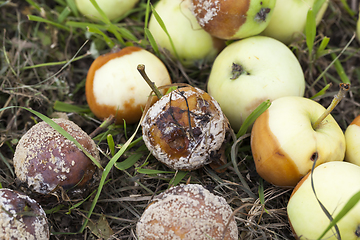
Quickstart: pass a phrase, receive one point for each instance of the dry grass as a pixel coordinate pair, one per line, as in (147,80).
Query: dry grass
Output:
(27,43)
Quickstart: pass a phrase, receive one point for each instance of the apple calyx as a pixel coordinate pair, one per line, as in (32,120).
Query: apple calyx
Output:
(262,15)
(237,70)
(344,88)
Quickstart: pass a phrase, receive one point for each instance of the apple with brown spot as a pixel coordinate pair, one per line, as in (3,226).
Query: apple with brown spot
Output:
(115,87)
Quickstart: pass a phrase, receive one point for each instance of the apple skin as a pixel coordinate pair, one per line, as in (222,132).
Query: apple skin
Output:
(284,144)
(115,87)
(358,27)
(192,43)
(233,19)
(352,138)
(335,183)
(271,71)
(289,19)
(112,8)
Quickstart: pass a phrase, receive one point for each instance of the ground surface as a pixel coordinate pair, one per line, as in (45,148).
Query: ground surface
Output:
(25,80)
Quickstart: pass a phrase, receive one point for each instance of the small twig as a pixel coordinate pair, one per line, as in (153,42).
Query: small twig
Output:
(141,69)
(344,88)
(107,122)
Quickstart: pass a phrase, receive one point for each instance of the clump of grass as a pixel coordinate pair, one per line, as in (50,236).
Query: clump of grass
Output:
(46,50)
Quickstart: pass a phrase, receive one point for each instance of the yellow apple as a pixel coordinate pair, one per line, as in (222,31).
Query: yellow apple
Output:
(335,183)
(250,71)
(352,138)
(192,43)
(284,144)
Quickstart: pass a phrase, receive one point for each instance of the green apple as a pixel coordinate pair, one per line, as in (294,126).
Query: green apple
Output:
(358,27)
(112,8)
(250,71)
(289,18)
(192,43)
(352,138)
(335,183)
(233,19)
(284,143)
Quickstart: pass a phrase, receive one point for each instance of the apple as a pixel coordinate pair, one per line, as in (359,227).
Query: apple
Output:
(112,8)
(284,143)
(192,43)
(233,19)
(352,135)
(115,87)
(335,183)
(250,71)
(358,27)
(289,19)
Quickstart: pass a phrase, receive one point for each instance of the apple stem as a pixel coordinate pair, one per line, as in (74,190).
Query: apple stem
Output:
(344,88)
(141,69)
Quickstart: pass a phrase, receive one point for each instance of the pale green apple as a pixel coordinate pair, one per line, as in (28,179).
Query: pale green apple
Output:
(250,71)
(335,183)
(352,137)
(289,18)
(358,27)
(112,8)
(191,42)
(284,143)
(233,19)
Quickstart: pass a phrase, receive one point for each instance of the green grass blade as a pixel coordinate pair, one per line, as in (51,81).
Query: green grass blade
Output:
(129,162)
(66,107)
(310,30)
(108,41)
(339,69)
(179,175)
(35,5)
(317,5)
(322,91)
(162,25)
(261,194)
(40,19)
(59,130)
(152,41)
(111,144)
(152,171)
(321,49)
(72,6)
(347,8)
(64,14)
(252,117)
(348,206)
(85,25)
(105,19)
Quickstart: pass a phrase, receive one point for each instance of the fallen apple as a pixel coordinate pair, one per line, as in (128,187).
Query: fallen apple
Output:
(285,145)
(289,19)
(112,8)
(115,87)
(192,43)
(251,71)
(352,135)
(334,183)
(233,19)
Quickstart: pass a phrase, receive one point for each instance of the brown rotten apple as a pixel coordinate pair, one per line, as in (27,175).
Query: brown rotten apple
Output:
(186,129)
(45,159)
(187,212)
(233,19)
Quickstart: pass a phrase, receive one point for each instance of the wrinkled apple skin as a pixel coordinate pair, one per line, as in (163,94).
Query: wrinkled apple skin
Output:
(112,8)
(233,19)
(191,42)
(271,71)
(352,138)
(335,183)
(284,144)
(289,18)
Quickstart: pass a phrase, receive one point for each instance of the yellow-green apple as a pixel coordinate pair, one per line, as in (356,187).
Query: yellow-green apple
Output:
(358,27)
(233,19)
(112,8)
(289,19)
(115,87)
(334,183)
(250,71)
(191,42)
(284,143)
(352,138)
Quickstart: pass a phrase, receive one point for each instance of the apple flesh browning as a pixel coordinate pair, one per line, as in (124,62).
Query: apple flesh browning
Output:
(284,144)
(335,183)
(233,19)
(192,43)
(186,129)
(352,135)
(115,87)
